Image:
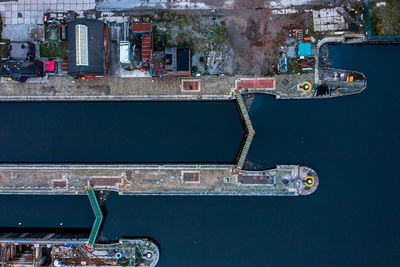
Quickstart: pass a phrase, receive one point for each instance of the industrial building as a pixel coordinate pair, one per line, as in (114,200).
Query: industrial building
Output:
(21,70)
(88,54)
(178,62)
(145,30)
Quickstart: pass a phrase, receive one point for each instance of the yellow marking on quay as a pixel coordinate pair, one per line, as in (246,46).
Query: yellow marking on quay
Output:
(307,179)
(305,87)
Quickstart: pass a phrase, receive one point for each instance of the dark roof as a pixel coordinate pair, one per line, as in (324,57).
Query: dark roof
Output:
(17,69)
(95,47)
(183,59)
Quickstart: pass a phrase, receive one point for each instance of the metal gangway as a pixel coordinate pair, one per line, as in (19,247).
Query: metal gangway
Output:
(250,131)
(99,217)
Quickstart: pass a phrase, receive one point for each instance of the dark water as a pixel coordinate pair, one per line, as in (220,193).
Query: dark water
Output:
(351,220)
(120,132)
(39,211)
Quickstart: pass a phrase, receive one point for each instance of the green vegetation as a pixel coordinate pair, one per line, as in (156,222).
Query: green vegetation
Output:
(4,48)
(1,27)
(159,41)
(53,50)
(358,6)
(51,31)
(293,66)
(187,43)
(219,35)
(355,16)
(199,33)
(4,44)
(123,261)
(385,19)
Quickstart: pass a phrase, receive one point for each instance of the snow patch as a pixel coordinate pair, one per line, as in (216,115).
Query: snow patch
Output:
(380,4)
(133,73)
(288,3)
(112,5)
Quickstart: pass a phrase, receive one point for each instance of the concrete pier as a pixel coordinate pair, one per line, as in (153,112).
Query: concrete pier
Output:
(63,88)
(134,179)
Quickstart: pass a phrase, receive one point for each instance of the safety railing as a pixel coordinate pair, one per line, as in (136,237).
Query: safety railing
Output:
(99,217)
(250,131)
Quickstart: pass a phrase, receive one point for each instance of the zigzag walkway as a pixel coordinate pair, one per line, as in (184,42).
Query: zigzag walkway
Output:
(99,217)
(250,131)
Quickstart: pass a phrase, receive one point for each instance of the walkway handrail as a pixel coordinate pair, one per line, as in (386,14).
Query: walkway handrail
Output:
(250,131)
(99,216)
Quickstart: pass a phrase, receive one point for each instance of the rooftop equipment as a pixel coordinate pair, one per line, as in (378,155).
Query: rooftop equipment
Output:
(125,52)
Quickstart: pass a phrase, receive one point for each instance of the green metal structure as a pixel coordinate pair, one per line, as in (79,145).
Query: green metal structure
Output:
(250,131)
(99,216)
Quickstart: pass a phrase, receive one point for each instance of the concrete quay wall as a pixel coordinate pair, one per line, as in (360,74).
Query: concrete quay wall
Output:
(211,88)
(63,88)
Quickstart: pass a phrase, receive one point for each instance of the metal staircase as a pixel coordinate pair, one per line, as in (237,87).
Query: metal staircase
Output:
(250,131)
(99,217)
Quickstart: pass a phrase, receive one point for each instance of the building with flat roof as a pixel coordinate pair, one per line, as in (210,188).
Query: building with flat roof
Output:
(303,50)
(178,62)
(22,50)
(88,54)
(20,70)
(145,45)
(142,28)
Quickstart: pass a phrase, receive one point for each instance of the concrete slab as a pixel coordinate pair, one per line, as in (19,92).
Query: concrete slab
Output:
(31,11)
(16,32)
(329,19)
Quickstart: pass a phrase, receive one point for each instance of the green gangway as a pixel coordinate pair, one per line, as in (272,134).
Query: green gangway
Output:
(99,216)
(250,131)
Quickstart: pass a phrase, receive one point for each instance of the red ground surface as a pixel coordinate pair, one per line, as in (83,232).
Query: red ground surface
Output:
(191,177)
(256,84)
(190,85)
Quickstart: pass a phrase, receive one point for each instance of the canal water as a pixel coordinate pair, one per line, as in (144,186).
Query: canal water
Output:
(120,132)
(351,220)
